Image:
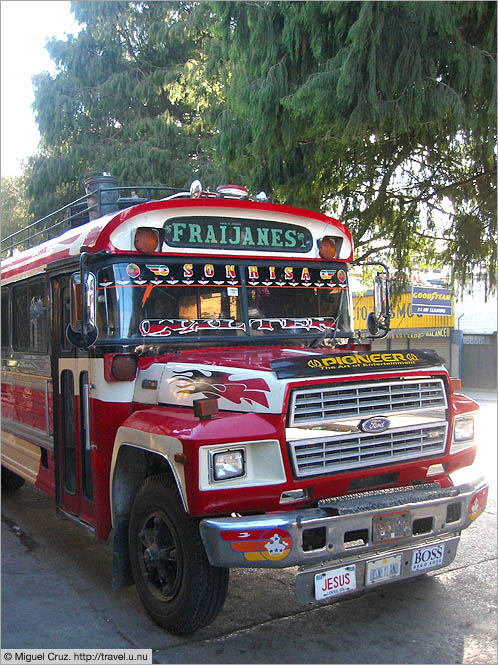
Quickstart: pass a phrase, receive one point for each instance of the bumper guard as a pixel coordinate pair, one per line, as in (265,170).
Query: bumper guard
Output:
(351,528)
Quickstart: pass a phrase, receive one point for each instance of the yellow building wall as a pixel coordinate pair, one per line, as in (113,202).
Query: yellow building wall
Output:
(402,319)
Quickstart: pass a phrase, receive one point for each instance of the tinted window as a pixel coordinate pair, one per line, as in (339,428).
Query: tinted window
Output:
(30,316)
(153,299)
(5,319)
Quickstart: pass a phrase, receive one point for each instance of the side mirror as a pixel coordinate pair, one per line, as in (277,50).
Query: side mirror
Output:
(82,331)
(378,321)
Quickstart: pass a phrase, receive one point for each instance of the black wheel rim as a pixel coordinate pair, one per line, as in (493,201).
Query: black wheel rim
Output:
(160,555)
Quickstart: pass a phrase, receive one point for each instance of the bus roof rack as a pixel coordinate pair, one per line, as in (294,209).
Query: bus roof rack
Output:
(103,196)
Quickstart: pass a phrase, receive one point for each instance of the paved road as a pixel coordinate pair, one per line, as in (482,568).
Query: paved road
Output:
(56,594)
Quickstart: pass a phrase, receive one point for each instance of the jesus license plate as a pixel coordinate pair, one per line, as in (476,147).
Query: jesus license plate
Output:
(333,582)
(381,570)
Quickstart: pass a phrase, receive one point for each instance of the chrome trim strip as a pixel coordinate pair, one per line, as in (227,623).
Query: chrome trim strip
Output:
(24,363)
(86,414)
(15,378)
(28,433)
(47,411)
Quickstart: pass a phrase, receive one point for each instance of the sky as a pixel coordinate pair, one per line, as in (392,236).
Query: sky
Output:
(25,28)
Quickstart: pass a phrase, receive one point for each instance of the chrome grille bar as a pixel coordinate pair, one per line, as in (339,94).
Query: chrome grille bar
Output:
(353,451)
(314,406)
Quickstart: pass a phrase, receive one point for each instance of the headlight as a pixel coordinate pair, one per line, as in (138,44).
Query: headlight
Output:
(464,429)
(227,464)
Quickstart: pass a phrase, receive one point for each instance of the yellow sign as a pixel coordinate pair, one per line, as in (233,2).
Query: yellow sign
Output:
(402,319)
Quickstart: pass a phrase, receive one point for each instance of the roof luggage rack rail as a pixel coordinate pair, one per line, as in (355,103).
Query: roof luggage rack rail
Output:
(94,204)
(104,196)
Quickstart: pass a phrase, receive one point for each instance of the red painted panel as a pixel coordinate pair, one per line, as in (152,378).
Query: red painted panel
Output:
(193,433)
(105,417)
(26,405)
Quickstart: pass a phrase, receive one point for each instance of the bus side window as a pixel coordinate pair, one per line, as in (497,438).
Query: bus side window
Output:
(5,339)
(30,316)
(65,316)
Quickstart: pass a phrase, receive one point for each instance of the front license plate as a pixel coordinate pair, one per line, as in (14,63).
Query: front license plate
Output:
(383,569)
(334,582)
(427,557)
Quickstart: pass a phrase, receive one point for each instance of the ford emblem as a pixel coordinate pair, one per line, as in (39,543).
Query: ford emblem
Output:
(374,425)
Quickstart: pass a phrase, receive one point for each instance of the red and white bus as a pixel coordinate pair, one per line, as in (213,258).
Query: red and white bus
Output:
(183,373)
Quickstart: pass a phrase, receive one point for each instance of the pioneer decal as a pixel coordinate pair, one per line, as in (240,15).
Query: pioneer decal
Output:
(354,363)
(221,384)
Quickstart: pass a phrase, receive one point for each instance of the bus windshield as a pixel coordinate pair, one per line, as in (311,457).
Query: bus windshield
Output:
(174,300)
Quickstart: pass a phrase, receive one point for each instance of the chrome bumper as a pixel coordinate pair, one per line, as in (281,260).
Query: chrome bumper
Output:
(342,529)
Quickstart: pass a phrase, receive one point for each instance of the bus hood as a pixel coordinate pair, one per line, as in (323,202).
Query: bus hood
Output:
(255,379)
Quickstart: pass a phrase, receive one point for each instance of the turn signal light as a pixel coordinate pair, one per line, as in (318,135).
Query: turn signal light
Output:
(120,366)
(146,240)
(205,408)
(327,249)
(456,384)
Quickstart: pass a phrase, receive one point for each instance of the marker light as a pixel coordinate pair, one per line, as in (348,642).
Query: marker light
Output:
(327,249)
(146,240)
(456,384)
(120,366)
(236,191)
(196,189)
(205,408)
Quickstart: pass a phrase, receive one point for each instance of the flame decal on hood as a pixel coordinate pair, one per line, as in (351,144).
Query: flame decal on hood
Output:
(221,384)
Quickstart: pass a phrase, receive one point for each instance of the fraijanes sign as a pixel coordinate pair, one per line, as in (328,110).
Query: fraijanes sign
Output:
(236,233)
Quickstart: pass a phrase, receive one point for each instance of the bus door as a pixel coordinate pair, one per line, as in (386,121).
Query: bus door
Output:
(71,375)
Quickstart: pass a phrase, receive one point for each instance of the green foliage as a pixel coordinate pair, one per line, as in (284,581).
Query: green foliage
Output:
(384,112)
(380,113)
(127,98)
(13,207)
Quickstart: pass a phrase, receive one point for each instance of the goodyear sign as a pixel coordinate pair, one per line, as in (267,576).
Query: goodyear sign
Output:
(403,317)
(354,362)
(428,300)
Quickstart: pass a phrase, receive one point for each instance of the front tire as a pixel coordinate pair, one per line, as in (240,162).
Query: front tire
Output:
(179,588)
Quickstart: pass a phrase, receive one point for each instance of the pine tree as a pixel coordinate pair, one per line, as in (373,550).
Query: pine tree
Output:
(382,112)
(127,98)
(14,206)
